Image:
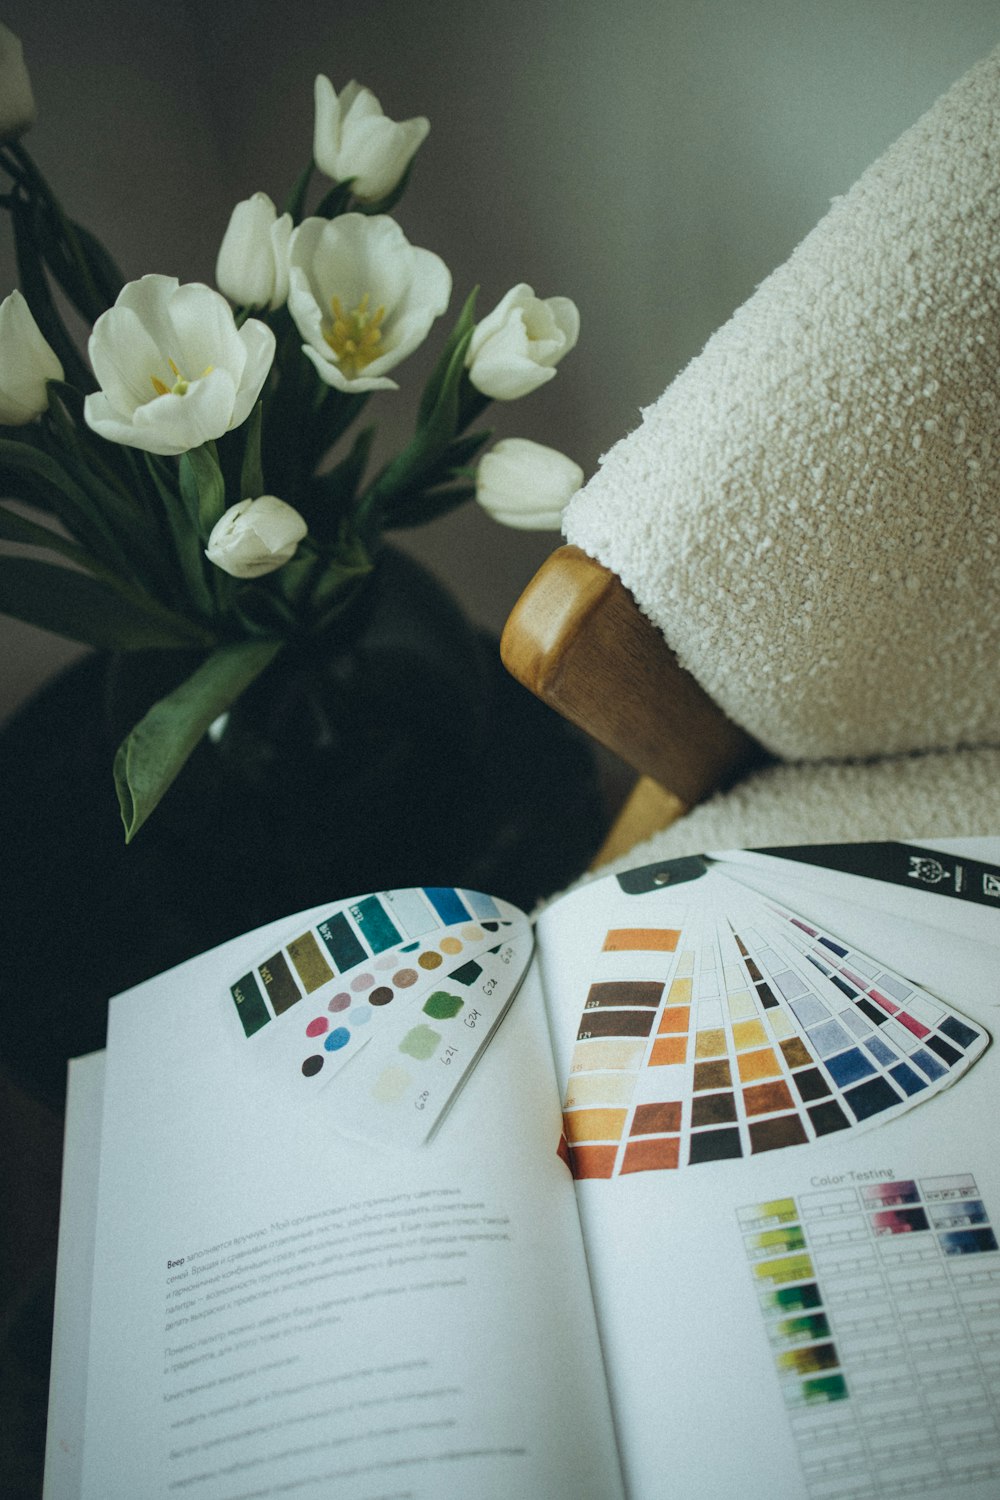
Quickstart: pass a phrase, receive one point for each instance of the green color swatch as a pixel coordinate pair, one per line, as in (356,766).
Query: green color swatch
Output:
(442,1006)
(420,1042)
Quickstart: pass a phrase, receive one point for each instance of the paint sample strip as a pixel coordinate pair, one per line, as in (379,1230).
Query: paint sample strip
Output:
(876,1065)
(397,1091)
(350,936)
(753,1046)
(884,1006)
(911,1322)
(316,1030)
(399,978)
(635,1017)
(806,1359)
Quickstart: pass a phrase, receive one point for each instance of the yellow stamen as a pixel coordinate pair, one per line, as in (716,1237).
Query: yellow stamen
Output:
(181,387)
(354,336)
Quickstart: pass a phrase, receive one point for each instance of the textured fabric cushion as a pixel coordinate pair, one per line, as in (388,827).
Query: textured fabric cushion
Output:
(811,512)
(942,795)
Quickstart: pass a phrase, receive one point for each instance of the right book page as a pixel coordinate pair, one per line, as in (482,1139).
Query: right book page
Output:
(779,1103)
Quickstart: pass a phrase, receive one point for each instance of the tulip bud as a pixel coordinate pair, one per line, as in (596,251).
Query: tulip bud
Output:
(26,362)
(252,268)
(352,138)
(255,537)
(526,485)
(516,348)
(17,103)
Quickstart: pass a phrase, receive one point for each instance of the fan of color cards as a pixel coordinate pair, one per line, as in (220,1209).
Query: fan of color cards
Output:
(407,986)
(734,1026)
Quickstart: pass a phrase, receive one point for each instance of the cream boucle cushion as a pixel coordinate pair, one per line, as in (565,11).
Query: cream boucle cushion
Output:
(811,512)
(945,795)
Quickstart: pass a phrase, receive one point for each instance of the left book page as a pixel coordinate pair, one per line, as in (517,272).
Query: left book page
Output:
(278,1310)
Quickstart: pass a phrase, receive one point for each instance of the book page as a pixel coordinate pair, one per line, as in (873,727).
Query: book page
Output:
(279,1310)
(782,1117)
(74,1277)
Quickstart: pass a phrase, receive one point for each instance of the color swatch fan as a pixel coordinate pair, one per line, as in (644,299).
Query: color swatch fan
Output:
(733,1026)
(386,1004)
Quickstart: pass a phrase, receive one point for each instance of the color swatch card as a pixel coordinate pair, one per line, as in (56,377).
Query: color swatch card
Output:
(881,1305)
(726,1026)
(398,1090)
(414,982)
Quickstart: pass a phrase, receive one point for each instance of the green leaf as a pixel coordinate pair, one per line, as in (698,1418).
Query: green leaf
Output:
(297,197)
(203,487)
(28,473)
(61,244)
(329,496)
(464,449)
(131,539)
(428,506)
(252,472)
(459,336)
(423,462)
(109,617)
(341,574)
(187,546)
(107,277)
(336,200)
(409,508)
(17,528)
(35,287)
(150,757)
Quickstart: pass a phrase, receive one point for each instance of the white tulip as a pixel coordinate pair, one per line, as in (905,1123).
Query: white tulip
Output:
(17,103)
(353,138)
(362,297)
(252,267)
(525,484)
(516,348)
(174,370)
(27,361)
(255,537)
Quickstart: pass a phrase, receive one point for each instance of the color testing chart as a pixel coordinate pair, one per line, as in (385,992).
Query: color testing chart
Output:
(415,981)
(732,1027)
(881,1304)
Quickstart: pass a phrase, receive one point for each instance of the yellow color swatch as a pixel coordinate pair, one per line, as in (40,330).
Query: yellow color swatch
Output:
(793,1268)
(307,956)
(594,1124)
(782,1209)
(749,1034)
(710,1043)
(679,992)
(641,940)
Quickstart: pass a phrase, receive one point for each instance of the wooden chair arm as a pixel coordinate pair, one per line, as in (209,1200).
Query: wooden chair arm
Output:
(577,639)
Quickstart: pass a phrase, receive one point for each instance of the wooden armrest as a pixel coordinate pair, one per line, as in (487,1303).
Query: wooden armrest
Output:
(579,641)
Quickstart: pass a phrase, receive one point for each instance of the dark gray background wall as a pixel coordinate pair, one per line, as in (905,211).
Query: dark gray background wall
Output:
(651,159)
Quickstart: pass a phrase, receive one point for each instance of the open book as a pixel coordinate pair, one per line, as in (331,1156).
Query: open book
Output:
(692,1190)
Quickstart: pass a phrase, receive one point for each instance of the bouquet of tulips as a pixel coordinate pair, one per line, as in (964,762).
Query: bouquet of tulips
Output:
(194,473)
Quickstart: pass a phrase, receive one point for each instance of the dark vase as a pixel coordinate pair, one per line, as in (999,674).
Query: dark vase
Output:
(395,751)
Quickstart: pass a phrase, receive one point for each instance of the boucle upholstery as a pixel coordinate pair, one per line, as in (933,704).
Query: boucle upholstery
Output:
(938,795)
(811,512)
(921,796)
